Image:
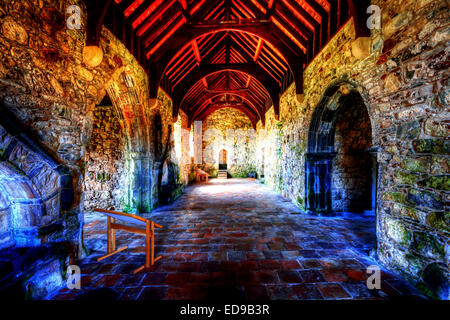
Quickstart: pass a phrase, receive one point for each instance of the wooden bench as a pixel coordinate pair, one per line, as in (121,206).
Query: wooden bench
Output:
(202,176)
(141,226)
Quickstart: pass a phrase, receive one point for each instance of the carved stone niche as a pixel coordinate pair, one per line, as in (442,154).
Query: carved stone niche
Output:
(40,229)
(34,190)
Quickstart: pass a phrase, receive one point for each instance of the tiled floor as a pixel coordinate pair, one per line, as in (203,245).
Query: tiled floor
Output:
(237,239)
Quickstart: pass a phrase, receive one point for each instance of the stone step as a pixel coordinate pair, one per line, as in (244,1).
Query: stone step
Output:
(222,174)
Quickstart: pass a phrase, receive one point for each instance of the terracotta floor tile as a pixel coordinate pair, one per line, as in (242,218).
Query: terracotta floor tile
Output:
(333,291)
(153,293)
(333,275)
(289,277)
(154,278)
(307,291)
(311,276)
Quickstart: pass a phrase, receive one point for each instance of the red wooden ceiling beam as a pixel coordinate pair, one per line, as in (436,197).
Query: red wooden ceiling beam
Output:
(196,51)
(292,5)
(324,17)
(262,29)
(258,50)
(242,50)
(249,79)
(167,43)
(142,12)
(246,11)
(253,8)
(207,98)
(144,28)
(183,36)
(333,19)
(183,4)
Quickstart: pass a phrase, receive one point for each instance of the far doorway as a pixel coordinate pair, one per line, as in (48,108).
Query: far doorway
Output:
(223,159)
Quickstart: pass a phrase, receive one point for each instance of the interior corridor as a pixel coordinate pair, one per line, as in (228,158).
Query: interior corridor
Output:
(237,239)
(284,145)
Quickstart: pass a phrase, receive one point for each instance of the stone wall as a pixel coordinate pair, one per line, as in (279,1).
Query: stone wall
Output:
(230,130)
(104,176)
(405,88)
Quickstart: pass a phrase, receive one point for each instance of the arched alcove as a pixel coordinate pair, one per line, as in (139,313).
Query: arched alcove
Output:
(341,169)
(20,208)
(106,175)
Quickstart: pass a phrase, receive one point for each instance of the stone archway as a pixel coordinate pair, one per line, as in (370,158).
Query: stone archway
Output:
(341,170)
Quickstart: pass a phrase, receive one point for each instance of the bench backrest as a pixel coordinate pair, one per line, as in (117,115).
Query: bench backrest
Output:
(131,218)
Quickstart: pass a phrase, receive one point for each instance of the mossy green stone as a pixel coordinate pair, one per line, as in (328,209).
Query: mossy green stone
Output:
(401,177)
(441,182)
(421,165)
(436,146)
(426,290)
(395,196)
(439,220)
(424,242)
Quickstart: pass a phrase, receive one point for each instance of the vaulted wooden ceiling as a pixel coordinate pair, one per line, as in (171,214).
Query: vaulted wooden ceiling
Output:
(228,53)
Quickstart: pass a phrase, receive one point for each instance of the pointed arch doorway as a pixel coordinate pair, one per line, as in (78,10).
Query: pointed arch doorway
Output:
(223,159)
(341,168)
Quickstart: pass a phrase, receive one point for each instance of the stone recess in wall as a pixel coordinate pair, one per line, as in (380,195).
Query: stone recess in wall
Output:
(105,162)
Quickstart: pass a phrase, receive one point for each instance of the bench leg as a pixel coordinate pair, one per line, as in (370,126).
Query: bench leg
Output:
(113,237)
(108,231)
(149,248)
